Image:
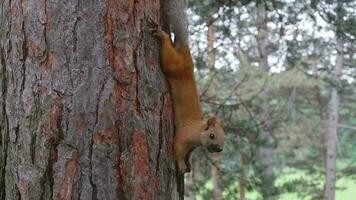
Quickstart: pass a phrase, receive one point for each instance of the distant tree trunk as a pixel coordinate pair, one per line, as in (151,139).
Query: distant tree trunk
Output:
(85,111)
(210,47)
(215,176)
(217,193)
(266,149)
(333,118)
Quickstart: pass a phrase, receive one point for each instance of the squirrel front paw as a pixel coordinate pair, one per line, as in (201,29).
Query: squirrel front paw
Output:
(156,28)
(182,167)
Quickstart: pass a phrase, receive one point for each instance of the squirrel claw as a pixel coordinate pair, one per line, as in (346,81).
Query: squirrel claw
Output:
(153,30)
(155,27)
(152,21)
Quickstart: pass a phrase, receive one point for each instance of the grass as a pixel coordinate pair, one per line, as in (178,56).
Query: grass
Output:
(345,186)
(349,192)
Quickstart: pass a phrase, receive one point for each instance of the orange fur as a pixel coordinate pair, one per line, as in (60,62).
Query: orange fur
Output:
(191,128)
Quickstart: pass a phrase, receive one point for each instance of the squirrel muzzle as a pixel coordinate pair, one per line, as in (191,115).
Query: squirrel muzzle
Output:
(214,148)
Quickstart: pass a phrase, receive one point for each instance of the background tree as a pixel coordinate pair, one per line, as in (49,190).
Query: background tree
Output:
(301,43)
(333,114)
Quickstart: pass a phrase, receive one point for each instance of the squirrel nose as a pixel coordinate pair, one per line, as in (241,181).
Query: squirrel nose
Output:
(217,148)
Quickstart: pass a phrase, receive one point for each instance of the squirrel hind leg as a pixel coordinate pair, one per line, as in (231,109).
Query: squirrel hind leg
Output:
(180,153)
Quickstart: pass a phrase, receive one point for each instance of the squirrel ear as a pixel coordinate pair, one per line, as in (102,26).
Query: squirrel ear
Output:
(211,121)
(221,123)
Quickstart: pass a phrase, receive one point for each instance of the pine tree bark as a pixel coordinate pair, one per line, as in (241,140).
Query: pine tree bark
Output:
(266,149)
(85,111)
(333,118)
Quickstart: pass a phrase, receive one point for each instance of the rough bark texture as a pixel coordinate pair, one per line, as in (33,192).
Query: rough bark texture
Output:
(333,120)
(266,149)
(85,111)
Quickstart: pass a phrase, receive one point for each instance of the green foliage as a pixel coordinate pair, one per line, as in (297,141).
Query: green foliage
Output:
(349,26)
(301,58)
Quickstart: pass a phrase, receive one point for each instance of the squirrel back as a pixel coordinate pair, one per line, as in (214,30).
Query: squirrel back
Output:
(175,12)
(192,130)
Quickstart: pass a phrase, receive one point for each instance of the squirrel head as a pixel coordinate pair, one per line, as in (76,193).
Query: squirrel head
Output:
(212,136)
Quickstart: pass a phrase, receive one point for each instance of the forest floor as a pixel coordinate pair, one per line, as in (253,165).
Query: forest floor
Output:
(346,186)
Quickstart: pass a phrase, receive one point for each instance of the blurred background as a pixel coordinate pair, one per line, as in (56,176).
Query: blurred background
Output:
(282,75)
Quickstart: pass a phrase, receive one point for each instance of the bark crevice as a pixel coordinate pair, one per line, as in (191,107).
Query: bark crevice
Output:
(4,126)
(160,136)
(137,86)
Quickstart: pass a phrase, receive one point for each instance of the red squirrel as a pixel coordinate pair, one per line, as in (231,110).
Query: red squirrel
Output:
(191,129)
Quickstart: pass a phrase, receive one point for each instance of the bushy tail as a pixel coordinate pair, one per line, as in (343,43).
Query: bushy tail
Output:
(175,12)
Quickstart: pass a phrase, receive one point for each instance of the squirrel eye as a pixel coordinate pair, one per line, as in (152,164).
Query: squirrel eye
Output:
(212,136)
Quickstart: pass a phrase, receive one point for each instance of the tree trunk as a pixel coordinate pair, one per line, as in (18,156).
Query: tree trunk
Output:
(333,118)
(85,111)
(215,176)
(210,41)
(217,193)
(266,148)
